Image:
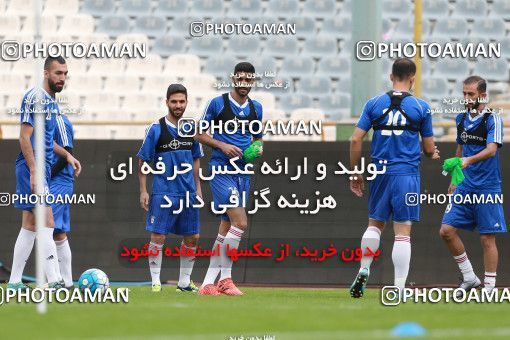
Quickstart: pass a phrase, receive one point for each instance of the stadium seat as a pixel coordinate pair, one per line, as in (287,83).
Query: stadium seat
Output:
(297,67)
(151,25)
(206,8)
(338,26)
(396,9)
(244,46)
(9,81)
(56,38)
(220,66)
(336,105)
(263,64)
(314,85)
(281,46)
(168,45)
(84,82)
(433,9)
(152,64)
(172,8)
(267,99)
(182,64)
(134,7)
(320,8)
(245,8)
(334,67)
(121,84)
(98,7)
(76,65)
(207,45)
(20,8)
(114,25)
(9,24)
(505,48)
(405,29)
(199,82)
(285,8)
(69,100)
(48,25)
(307,114)
(79,24)
(158,84)
(489,28)
(500,9)
(98,101)
(181,25)
(451,28)
(492,69)
(321,46)
(344,85)
(292,101)
(202,98)
(23,66)
(106,66)
(2,6)
(132,38)
(61,7)
(434,87)
(452,68)
(145,101)
(274,114)
(305,26)
(470,9)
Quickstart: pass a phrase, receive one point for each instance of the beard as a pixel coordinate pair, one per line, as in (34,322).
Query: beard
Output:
(243,89)
(175,114)
(54,87)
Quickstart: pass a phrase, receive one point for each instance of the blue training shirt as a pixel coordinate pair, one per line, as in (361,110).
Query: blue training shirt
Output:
(242,141)
(64,136)
(484,175)
(160,184)
(50,109)
(400,148)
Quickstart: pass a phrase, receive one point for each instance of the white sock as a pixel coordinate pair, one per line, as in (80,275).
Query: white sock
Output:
(401,256)
(155,261)
(215,262)
(64,261)
(232,239)
(465,267)
(22,249)
(371,239)
(186,267)
(490,281)
(49,251)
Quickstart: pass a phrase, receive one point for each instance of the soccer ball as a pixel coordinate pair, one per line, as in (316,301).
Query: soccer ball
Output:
(93,279)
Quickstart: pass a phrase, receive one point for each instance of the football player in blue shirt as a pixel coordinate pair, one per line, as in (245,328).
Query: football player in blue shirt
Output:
(479,137)
(55,74)
(238,107)
(163,143)
(398,120)
(62,184)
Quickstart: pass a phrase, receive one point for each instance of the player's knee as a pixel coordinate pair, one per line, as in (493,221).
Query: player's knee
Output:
(157,238)
(191,240)
(488,241)
(241,224)
(446,233)
(59,236)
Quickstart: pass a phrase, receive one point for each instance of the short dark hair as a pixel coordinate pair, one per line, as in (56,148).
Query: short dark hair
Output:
(403,68)
(481,84)
(176,88)
(49,60)
(244,67)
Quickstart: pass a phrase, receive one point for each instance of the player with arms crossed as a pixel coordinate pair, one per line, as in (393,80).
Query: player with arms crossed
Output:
(479,137)
(55,74)
(398,120)
(234,106)
(62,184)
(163,143)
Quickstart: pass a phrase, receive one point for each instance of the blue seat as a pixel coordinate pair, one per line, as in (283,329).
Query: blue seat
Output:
(151,25)
(206,8)
(172,8)
(315,85)
(284,8)
(433,9)
(297,67)
(396,9)
(500,9)
(320,7)
(335,106)
(489,28)
(263,64)
(434,87)
(338,26)
(451,28)
(168,45)
(181,25)
(492,69)
(470,9)
(206,45)
(405,29)
(320,46)
(292,101)
(337,67)
(221,66)
(245,8)
(305,26)
(244,46)
(135,7)
(452,68)
(98,7)
(114,25)
(281,46)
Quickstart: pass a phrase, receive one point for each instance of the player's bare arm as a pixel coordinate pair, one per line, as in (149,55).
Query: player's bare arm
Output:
(430,149)
(68,157)
(144,195)
(196,176)
(486,153)
(228,149)
(357,185)
(26,148)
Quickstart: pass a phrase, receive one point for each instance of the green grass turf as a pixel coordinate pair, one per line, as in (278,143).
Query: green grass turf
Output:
(286,313)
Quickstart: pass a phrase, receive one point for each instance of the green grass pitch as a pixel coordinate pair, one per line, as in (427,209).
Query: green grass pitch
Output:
(285,313)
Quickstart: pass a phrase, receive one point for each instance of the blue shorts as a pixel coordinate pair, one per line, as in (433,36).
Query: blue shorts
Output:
(163,220)
(395,195)
(224,186)
(61,211)
(23,186)
(488,218)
